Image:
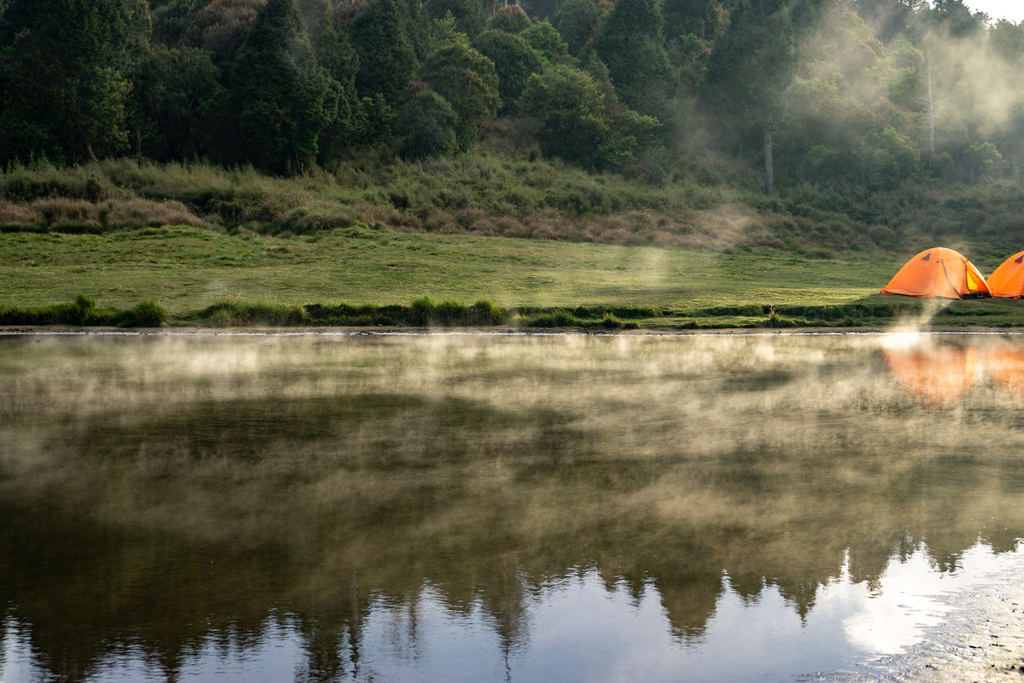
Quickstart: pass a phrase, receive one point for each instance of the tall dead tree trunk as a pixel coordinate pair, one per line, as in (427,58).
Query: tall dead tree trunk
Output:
(931,112)
(769,172)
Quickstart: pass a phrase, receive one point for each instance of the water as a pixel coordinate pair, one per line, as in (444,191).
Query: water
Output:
(565,508)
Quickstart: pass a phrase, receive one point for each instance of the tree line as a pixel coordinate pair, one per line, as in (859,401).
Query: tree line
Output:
(862,92)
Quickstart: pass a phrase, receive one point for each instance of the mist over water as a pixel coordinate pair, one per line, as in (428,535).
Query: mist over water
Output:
(488,508)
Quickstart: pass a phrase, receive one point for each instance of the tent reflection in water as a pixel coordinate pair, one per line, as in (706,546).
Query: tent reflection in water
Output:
(1008,279)
(939,273)
(940,376)
(1006,367)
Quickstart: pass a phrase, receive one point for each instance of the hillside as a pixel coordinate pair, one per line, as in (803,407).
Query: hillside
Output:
(493,191)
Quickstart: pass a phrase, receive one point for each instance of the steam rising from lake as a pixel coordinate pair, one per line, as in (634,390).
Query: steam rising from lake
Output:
(307,483)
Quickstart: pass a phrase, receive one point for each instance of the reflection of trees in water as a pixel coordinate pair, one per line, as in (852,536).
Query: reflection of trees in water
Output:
(303,482)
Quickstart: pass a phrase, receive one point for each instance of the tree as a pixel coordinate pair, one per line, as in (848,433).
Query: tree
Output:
(170,92)
(282,96)
(172,18)
(444,32)
(514,63)
(750,68)
(63,83)
(580,123)
(890,18)
(510,19)
(220,28)
(630,43)
(1007,41)
(981,158)
(705,19)
(956,18)
(386,58)
(469,14)
(417,26)
(337,57)
(428,124)
(466,79)
(576,22)
(543,38)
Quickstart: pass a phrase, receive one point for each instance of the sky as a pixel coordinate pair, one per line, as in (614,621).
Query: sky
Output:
(999,9)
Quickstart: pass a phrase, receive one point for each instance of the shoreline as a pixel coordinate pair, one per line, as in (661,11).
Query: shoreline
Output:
(502,331)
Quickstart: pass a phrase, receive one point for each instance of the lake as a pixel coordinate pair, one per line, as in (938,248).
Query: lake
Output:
(333,507)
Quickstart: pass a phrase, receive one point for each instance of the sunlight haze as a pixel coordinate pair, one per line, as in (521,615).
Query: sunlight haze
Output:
(999,9)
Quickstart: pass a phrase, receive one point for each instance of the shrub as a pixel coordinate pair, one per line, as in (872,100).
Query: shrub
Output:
(514,62)
(610,322)
(145,314)
(428,124)
(425,311)
(488,313)
(554,319)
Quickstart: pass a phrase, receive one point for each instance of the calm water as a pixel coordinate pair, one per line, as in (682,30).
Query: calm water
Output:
(490,508)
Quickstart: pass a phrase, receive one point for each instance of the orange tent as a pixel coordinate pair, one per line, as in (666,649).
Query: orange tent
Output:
(939,272)
(1008,279)
(939,376)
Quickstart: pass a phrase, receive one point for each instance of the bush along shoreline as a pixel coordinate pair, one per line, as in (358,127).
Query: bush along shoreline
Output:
(426,312)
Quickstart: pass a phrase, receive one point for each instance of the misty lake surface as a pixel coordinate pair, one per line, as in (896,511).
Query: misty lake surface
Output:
(510,508)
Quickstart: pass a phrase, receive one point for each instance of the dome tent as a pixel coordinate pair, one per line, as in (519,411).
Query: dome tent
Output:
(1008,279)
(939,273)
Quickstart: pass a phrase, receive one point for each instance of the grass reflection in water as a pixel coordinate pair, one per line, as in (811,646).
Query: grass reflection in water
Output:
(157,491)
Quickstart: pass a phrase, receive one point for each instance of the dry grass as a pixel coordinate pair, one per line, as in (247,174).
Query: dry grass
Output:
(146,213)
(13,214)
(60,212)
(729,226)
(500,190)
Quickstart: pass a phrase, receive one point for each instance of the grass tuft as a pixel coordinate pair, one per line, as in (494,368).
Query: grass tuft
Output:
(450,313)
(610,322)
(557,318)
(144,314)
(261,313)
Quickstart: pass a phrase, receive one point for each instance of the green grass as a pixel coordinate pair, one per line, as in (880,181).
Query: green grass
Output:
(362,276)
(191,268)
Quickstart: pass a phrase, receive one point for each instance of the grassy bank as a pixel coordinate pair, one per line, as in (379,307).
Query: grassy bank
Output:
(711,205)
(362,276)
(548,244)
(426,312)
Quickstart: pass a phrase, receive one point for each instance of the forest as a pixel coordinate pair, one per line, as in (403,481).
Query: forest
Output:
(855,92)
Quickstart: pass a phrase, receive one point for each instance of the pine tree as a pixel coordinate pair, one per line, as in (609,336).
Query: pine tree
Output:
(282,97)
(338,58)
(576,22)
(386,58)
(631,44)
(63,76)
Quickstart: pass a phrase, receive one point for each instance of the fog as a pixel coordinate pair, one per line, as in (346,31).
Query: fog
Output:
(320,474)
